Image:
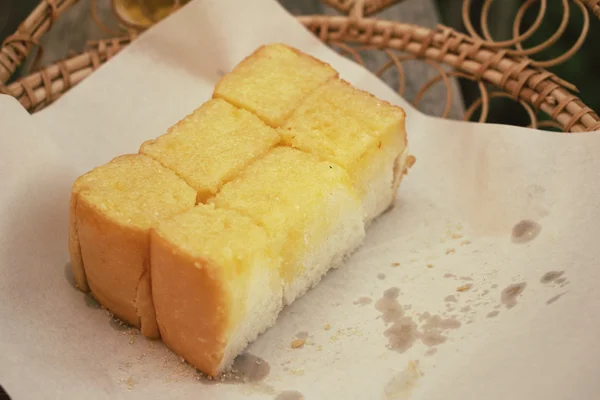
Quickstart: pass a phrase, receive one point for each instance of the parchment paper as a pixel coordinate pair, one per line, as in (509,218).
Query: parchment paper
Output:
(451,228)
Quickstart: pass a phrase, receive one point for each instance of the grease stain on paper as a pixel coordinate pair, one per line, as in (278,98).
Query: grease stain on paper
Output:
(90,301)
(525,231)
(290,395)
(511,293)
(363,301)
(302,335)
(68,270)
(562,282)
(388,305)
(450,299)
(404,331)
(246,368)
(430,351)
(552,276)
(555,298)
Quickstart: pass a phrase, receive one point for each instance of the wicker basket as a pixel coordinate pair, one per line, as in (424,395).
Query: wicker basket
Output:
(503,66)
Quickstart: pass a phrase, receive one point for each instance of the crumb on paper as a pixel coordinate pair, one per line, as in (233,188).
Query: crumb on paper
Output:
(456,236)
(319,348)
(130,382)
(327,327)
(413,366)
(464,288)
(429,265)
(347,332)
(465,242)
(298,343)
(395,264)
(450,251)
(125,366)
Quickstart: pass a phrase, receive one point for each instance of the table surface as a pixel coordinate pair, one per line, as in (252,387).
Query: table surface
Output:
(72,31)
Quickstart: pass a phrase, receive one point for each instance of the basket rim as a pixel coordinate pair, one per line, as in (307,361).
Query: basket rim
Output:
(476,58)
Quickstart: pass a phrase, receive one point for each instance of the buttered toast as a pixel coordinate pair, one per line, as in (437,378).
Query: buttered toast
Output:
(240,208)
(113,208)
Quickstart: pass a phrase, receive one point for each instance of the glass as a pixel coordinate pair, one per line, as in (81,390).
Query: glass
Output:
(144,13)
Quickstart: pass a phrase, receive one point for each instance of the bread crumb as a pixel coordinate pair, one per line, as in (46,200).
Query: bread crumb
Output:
(347,332)
(395,264)
(465,242)
(130,382)
(450,251)
(429,265)
(327,327)
(456,236)
(298,343)
(464,288)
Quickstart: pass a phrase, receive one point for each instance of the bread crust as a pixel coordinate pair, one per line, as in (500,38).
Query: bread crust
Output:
(191,298)
(115,258)
(75,248)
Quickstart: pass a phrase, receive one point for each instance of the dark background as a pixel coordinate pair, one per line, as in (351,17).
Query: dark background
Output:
(581,69)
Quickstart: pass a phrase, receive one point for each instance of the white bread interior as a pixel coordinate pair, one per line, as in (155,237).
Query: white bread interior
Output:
(345,234)
(384,181)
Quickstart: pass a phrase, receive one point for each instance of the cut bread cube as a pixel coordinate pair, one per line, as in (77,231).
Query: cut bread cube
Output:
(112,210)
(216,284)
(308,208)
(210,146)
(357,131)
(272,81)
